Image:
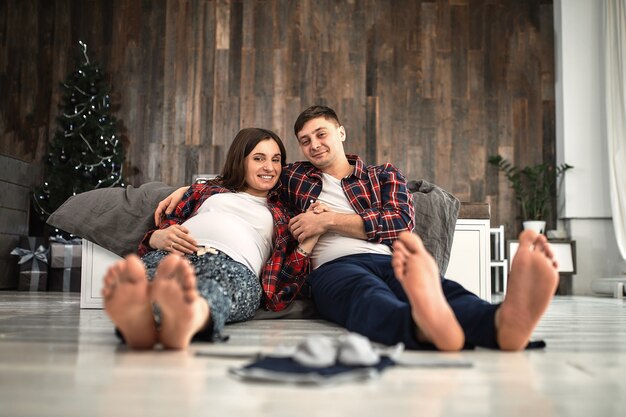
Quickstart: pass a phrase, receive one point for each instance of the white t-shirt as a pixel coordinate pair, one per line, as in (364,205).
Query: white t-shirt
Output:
(333,245)
(238,224)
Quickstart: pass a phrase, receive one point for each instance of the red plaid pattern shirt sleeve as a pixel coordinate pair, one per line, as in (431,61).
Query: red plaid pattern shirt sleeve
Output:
(285,272)
(383,202)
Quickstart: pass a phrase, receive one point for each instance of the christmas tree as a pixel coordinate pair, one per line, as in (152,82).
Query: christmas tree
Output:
(86,152)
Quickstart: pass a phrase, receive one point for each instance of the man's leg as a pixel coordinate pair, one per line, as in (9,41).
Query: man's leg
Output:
(530,288)
(127,302)
(475,315)
(418,273)
(352,291)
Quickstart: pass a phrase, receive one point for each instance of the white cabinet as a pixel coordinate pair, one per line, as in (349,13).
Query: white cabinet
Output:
(468,265)
(469,257)
(96,260)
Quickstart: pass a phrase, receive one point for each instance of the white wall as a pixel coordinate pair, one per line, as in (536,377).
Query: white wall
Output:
(581,140)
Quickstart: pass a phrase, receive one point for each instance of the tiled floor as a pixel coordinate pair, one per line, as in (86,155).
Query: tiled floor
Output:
(58,360)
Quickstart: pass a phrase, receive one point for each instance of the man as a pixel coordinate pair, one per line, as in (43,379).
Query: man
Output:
(360,213)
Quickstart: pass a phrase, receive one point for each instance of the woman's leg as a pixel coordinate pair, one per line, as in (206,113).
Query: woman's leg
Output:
(127,303)
(232,291)
(183,311)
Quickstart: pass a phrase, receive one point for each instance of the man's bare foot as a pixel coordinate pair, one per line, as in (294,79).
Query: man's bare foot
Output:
(183,311)
(127,302)
(531,285)
(417,271)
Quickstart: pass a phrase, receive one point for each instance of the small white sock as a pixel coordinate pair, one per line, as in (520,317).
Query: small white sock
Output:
(355,349)
(316,352)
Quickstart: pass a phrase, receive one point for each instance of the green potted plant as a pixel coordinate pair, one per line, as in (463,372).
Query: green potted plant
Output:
(533,186)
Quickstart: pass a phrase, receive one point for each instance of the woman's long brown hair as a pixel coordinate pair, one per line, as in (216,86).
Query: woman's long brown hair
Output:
(233,174)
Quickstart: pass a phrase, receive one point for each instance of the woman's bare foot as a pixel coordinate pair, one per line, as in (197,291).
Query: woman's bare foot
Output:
(183,311)
(417,271)
(531,285)
(127,302)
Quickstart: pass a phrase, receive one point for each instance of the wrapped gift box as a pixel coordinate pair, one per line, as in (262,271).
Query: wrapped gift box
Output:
(64,279)
(33,264)
(65,254)
(32,281)
(65,264)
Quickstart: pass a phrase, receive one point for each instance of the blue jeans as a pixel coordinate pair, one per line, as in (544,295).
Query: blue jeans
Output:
(361,293)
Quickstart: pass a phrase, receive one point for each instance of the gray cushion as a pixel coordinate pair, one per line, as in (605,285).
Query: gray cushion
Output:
(114,218)
(436,211)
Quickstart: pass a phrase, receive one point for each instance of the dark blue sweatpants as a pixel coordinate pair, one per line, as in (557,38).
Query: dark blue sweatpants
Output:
(361,293)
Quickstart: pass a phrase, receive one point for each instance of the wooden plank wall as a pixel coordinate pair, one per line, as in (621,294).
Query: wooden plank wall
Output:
(16,179)
(432,86)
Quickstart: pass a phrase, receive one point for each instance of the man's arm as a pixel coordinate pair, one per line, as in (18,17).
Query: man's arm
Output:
(310,223)
(395,213)
(380,223)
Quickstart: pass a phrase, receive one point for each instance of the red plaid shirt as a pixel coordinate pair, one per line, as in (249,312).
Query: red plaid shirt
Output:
(284,272)
(376,193)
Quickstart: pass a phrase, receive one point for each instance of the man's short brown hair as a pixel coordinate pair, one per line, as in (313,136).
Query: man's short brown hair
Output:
(314,112)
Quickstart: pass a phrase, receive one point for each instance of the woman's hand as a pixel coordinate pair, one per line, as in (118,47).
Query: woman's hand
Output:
(318,207)
(309,244)
(168,204)
(175,239)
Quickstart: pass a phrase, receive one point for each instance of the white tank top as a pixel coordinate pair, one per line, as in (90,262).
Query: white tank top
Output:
(238,224)
(333,245)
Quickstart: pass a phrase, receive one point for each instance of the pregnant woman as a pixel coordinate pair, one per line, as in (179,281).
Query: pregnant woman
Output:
(223,251)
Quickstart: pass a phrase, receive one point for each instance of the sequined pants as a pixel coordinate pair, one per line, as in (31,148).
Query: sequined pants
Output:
(232,290)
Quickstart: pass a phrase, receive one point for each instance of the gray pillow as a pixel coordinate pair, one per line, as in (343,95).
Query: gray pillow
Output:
(114,218)
(436,211)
